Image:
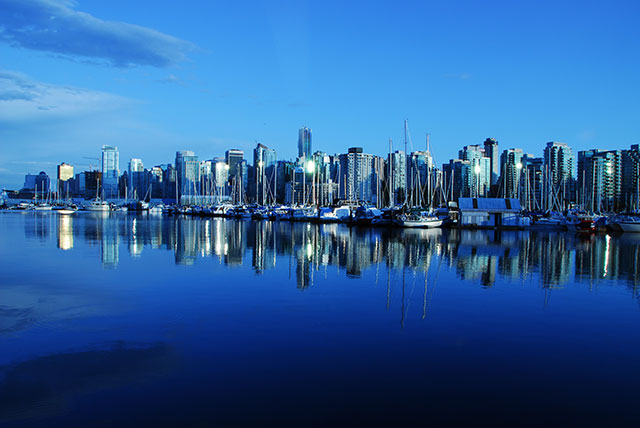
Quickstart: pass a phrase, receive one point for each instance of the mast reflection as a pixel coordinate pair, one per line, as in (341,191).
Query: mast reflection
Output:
(484,257)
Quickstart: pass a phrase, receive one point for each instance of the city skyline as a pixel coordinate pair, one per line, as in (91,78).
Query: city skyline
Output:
(184,88)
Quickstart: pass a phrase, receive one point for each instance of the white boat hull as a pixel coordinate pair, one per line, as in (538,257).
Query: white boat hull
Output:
(423,224)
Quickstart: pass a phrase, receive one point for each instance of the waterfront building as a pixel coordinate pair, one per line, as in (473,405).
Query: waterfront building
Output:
(30,182)
(559,165)
(169,183)
(356,175)
(220,179)
(532,182)
(631,177)
(39,183)
(478,178)
(65,173)
(511,173)
(264,163)
(110,171)
(457,176)
(600,180)
(188,175)
(491,151)
(397,164)
(233,158)
(304,142)
(420,178)
(156,185)
(137,182)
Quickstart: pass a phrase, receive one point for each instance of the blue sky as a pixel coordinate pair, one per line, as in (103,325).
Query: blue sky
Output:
(153,77)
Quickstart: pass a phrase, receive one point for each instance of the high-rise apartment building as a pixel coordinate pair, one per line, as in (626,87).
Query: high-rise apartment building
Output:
(357,175)
(264,164)
(559,164)
(304,143)
(188,175)
(478,178)
(233,158)
(491,151)
(397,164)
(65,173)
(137,186)
(631,177)
(599,184)
(110,171)
(511,173)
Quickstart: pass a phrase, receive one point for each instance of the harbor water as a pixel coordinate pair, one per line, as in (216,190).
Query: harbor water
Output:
(119,319)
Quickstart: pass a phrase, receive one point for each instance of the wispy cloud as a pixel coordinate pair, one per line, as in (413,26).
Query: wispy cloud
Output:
(22,98)
(55,26)
(460,76)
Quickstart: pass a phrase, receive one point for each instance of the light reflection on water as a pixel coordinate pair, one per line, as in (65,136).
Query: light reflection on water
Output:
(185,318)
(555,258)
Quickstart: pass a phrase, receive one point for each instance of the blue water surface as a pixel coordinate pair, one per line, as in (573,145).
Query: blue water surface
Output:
(130,320)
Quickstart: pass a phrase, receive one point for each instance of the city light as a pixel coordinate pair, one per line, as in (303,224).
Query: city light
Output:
(311,166)
(519,165)
(477,169)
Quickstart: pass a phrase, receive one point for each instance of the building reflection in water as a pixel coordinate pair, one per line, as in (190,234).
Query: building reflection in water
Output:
(65,232)
(480,256)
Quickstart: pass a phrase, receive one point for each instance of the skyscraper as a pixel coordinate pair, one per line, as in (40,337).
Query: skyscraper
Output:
(631,177)
(491,151)
(65,173)
(559,163)
(356,175)
(511,172)
(304,142)
(137,183)
(233,157)
(397,164)
(264,161)
(478,177)
(600,179)
(110,171)
(188,175)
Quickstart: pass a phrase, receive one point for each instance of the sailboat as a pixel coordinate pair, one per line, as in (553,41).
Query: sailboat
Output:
(97,204)
(415,217)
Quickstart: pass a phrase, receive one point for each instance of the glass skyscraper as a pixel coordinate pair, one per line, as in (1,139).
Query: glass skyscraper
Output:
(110,171)
(304,142)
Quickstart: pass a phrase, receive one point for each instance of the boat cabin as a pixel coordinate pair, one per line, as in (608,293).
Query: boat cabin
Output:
(491,213)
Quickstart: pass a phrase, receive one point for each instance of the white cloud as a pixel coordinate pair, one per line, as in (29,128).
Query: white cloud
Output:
(54,26)
(22,98)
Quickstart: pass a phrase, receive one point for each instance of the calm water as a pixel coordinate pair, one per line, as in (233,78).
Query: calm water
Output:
(123,320)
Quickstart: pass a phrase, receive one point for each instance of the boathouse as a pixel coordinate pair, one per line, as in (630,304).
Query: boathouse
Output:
(490,213)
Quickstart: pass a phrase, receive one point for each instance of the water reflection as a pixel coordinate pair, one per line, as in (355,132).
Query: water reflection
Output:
(483,256)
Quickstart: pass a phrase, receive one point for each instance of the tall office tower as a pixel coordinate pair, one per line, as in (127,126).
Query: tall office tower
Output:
(397,164)
(220,178)
(532,182)
(233,157)
(559,164)
(304,142)
(600,180)
(187,174)
(110,171)
(478,178)
(356,175)
(631,177)
(491,151)
(324,186)
(457,179)
(264,164)
(65,173)
(510,173)
(137,184)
